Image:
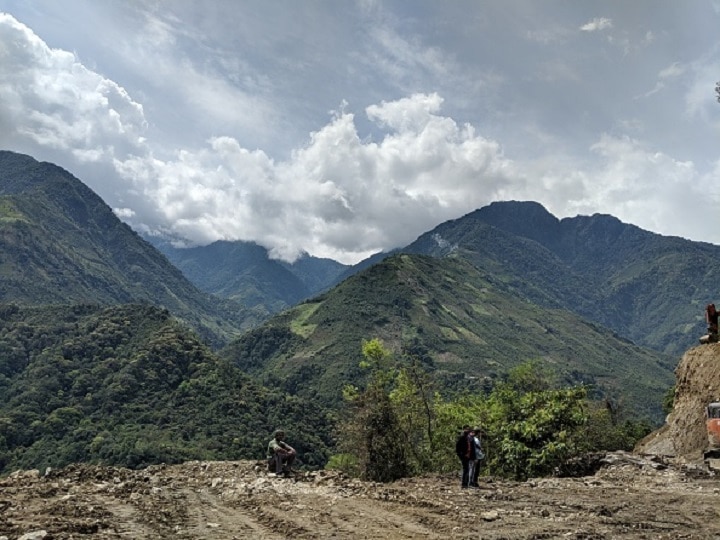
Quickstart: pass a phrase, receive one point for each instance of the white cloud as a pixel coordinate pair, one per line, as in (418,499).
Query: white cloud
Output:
(673,70)
(649,188)
(49,97)
(407,158)
(338,196)
(597,24)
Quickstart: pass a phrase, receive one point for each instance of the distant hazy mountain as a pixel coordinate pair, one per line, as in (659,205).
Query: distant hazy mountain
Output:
(60,243)
(244,271)
(466,326)
(647,287)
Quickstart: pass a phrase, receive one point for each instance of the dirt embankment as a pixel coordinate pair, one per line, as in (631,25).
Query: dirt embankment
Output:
(684,434)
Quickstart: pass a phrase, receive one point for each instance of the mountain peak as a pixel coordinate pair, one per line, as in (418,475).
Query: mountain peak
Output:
(524,218)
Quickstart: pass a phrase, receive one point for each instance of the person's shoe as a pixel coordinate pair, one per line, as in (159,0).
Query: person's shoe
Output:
(463,486)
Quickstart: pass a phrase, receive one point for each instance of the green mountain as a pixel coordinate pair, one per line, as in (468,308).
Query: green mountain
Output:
(244,271)
(129,385)
(466,326)
(62,244)
(649,288)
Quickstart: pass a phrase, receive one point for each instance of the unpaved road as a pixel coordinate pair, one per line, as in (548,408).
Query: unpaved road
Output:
(632,498)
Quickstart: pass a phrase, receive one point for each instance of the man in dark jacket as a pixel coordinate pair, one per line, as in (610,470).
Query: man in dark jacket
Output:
(465,450)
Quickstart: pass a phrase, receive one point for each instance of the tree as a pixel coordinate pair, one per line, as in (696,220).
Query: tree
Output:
(373,433)
(532,431)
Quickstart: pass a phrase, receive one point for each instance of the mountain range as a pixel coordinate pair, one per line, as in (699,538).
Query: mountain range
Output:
(648,288)
(244,272)
(599,301)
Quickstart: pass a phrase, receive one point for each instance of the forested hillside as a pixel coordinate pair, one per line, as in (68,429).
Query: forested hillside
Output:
(649,288)
(464,326)
(62,244)
(128,385)
(97,362)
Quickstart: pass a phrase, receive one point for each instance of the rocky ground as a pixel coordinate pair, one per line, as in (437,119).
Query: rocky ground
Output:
(628,497)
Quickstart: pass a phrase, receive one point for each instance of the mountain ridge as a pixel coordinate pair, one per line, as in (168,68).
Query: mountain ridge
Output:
(245,272)
(62,243)
(647,287)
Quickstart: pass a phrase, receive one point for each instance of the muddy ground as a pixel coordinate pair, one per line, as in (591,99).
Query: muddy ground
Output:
(628,497)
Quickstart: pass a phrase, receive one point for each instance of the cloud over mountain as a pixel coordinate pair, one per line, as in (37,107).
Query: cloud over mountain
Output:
(426,135)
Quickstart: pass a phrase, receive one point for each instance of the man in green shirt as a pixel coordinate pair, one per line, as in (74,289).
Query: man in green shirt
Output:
(280,454)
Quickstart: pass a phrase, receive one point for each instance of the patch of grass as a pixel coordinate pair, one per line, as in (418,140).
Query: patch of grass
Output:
(299,324)
(9,212)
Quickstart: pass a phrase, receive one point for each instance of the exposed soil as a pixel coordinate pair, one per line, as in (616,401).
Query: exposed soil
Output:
(629,497)
(684,434)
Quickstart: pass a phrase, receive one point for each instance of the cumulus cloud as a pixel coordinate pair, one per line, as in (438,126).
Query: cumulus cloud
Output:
(49,97)
(338,196)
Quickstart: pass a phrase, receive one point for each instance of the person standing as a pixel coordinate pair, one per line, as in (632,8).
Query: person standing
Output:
(465,451)
(479,455)
(280,454)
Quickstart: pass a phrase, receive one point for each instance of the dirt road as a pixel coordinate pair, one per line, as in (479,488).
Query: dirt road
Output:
(631,498)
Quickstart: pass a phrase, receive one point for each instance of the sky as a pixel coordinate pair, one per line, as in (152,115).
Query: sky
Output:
(343,128)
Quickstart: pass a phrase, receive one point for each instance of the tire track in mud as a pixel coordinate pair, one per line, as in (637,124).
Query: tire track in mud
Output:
(128,522)
(366,518)
(208,517)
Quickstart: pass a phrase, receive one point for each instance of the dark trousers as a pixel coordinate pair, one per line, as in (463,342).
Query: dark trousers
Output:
(475,472)
(281,462)
(465,471)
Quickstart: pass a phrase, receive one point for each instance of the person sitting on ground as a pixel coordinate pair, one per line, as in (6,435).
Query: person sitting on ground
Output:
(280,454)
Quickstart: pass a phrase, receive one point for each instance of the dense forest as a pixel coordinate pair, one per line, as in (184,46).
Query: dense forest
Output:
(129,385)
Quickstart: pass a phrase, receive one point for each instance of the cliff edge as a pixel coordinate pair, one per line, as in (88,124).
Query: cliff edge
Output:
(684,434)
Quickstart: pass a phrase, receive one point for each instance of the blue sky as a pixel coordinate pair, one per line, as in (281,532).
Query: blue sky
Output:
(343,128)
